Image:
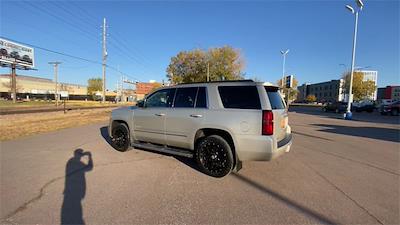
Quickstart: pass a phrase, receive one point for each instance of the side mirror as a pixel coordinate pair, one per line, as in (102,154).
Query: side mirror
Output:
(140,104)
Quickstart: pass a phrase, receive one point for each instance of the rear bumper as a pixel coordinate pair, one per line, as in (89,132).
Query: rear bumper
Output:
(262,148)
(283,146)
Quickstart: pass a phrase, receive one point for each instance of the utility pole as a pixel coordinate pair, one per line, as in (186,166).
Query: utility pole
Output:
(55,64)
(104,59)
(14,82)
(208,71)
(122,85)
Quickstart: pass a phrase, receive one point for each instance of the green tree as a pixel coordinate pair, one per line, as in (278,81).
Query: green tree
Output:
(361,89)
(224,63)
(292,91)
(311,98)
(94,85)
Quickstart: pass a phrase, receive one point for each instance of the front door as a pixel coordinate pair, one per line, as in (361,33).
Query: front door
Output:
(149,121)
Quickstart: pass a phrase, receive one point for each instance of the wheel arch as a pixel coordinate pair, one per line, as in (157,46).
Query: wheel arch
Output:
(116,122)
(204,132)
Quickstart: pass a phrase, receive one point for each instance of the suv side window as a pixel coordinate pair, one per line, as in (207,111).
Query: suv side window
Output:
(161,98)
(201,100)
(240,97)
(185,97)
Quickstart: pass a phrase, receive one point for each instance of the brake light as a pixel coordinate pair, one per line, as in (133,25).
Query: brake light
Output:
(267,123)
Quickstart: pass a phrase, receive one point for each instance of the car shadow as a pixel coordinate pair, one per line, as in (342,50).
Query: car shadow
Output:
(379,133)
(75,187)
(104,134)
(190,162)
(285,200)
(373,117)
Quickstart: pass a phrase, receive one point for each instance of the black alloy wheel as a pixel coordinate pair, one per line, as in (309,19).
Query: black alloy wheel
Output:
(214,156)
(120,138)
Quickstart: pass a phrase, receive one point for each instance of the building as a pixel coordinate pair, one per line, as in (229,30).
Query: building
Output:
(142,88)
(302,92)
(329,91)
(370,75)
(381,93)
(29,87)
(389,92)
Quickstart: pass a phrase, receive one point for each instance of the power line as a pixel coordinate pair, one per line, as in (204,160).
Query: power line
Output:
(90,18)
(124,52)
(68,55)
(62,20)
(74,17)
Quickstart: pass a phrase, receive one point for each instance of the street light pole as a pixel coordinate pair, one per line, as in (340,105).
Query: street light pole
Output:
(283,66)
(360,5)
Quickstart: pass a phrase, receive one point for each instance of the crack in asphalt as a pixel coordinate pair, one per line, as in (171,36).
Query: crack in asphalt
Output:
(344,193)
(25,205)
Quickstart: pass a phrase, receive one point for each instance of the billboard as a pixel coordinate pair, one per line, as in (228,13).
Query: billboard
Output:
(11,52)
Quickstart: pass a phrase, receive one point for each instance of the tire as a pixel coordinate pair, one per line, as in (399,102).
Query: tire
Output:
(120,138)
(395,112)
(214,156)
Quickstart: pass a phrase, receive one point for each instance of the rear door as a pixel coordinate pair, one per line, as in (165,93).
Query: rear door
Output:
(278,107)
(186,116)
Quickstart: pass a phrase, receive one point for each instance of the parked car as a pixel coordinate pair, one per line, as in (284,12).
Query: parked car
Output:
(364,105)
(26,58)
(220,124)
(15,55)
(393,108)
(3,52)
(337,107)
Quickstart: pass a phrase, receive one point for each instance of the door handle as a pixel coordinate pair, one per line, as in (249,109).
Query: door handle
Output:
(160,114)
(196,115)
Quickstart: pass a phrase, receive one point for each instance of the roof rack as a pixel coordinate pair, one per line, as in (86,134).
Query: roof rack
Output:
(221,81)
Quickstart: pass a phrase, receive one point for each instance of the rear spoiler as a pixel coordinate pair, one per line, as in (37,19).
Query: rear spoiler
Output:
(271,88)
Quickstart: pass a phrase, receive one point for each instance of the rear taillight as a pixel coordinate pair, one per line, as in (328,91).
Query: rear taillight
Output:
(267,123)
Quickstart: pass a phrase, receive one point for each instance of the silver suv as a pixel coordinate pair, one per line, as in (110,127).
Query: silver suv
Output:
(220,124)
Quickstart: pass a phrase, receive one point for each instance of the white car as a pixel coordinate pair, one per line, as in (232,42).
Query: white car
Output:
(220,124)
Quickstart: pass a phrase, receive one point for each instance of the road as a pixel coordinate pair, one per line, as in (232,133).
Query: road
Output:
(338,171)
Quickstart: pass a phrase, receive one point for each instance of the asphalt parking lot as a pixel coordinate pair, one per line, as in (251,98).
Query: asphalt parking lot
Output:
(338,172)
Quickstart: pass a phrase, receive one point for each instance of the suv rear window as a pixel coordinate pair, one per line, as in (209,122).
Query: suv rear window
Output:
(240,97)
(275,98)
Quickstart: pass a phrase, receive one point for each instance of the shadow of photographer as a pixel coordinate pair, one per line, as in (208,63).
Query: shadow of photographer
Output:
(75,187)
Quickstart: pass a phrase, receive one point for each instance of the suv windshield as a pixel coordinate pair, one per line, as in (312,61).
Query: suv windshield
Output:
(275,98)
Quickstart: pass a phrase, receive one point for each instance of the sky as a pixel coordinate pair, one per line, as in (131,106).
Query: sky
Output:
(142,36)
